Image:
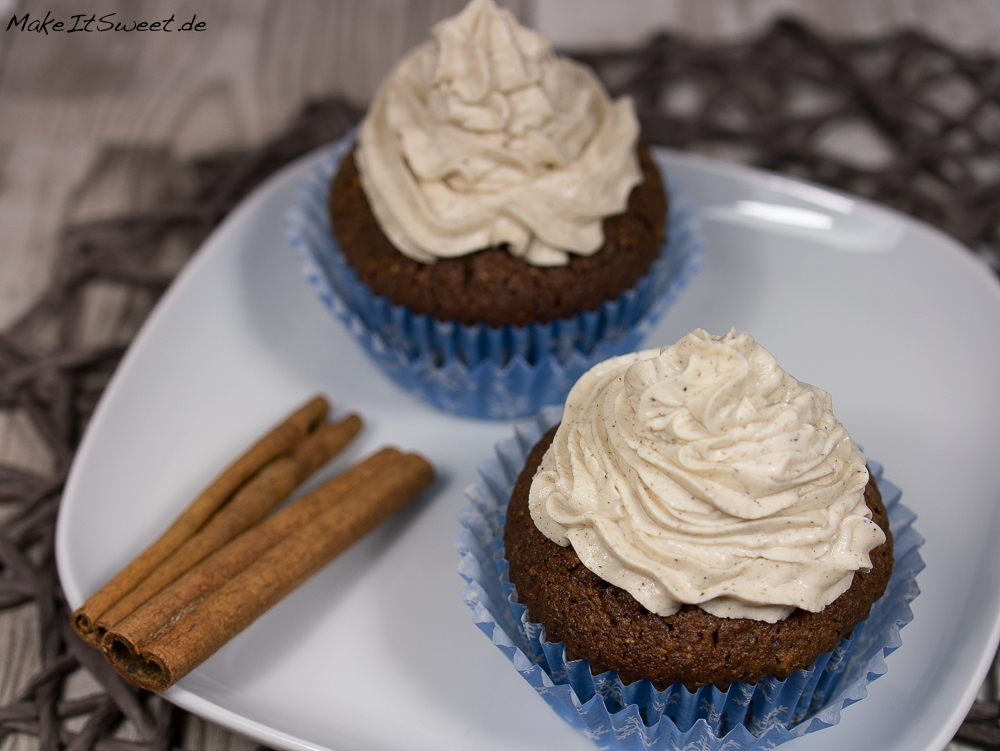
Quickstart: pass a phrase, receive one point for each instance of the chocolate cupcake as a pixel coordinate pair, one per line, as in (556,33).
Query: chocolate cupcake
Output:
(697,553)
(724,519)
(498,227)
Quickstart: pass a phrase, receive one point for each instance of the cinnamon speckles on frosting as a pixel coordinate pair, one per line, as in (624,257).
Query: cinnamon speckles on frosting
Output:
(483,136)
(704,474)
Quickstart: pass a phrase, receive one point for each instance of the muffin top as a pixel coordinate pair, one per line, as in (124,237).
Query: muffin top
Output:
(704,474)
(484,137)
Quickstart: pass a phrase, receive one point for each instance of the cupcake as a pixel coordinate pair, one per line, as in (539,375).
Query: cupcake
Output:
(497,227)
(697,551)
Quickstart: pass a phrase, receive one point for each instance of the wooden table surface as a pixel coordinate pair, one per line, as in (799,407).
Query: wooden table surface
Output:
(95,124)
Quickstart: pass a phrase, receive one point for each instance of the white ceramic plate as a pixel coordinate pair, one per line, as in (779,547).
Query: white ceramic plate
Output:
(377,651)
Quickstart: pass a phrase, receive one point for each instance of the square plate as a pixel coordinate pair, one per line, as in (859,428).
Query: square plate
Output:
(378,651)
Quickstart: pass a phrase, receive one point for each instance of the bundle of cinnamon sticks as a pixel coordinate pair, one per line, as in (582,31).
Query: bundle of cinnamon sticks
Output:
(224,561)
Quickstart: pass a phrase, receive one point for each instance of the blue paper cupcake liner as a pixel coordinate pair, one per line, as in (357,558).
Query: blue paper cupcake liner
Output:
(638,716)
(478,370)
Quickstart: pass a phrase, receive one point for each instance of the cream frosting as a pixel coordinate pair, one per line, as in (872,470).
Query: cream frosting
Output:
(702,473)
(484,136)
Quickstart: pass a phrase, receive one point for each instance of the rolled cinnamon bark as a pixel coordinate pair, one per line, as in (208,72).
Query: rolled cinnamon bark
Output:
(197,632)
(251,503)
(161,612)
(279,441)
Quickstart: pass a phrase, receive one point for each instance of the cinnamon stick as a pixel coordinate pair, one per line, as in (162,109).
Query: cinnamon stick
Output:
(197,632)
(162,611)
(279,441)
(251,503)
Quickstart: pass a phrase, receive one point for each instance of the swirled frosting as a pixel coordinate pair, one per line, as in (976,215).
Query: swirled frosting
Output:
(702,473)
(483,136)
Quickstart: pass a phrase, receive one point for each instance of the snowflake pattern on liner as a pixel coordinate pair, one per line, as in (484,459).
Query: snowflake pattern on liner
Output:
(477,370)
(636,716)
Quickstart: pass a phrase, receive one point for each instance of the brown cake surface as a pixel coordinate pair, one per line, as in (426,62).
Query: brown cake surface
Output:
(491,286)
(606,626)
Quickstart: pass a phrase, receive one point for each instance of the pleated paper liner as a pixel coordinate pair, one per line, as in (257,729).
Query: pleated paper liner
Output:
(478,370)
(637,716)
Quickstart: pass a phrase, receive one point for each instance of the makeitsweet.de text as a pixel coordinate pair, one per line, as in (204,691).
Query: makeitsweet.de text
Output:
(84,23)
